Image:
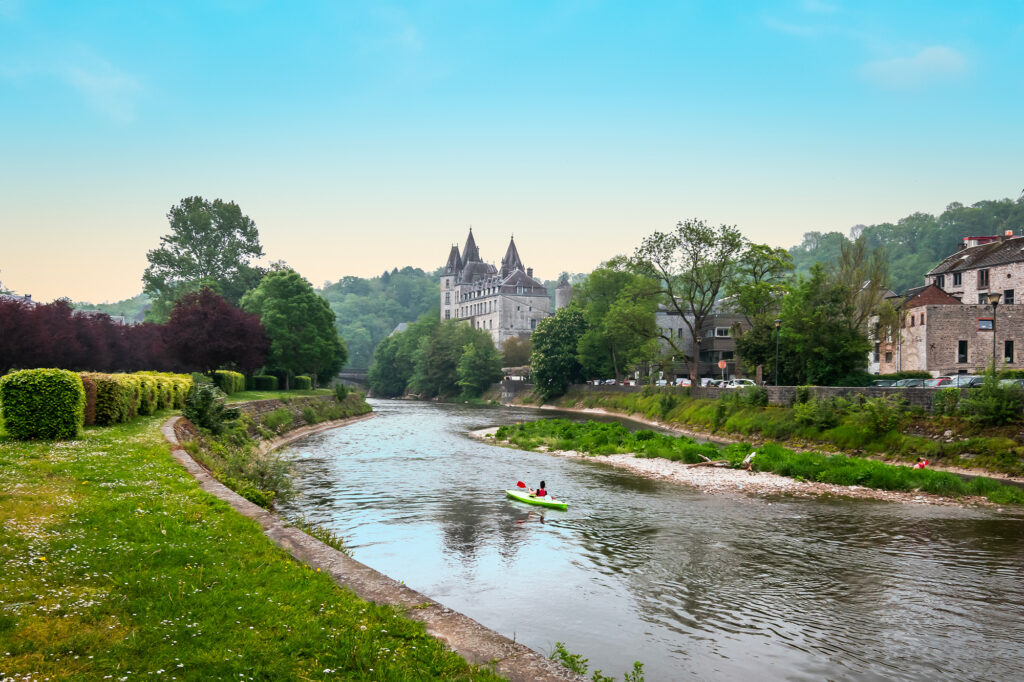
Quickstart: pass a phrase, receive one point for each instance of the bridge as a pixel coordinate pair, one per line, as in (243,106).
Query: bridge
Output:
(354,376)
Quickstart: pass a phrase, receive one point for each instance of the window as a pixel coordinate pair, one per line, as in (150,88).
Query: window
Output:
(1008,296)
(447,298)
(1008,351)
(911,320)
(940,281)
(958,279)
(888,356)
(983,299)
(722,331)
(533,323)
(922,319)
(985,324)
(961,351)
(447,314)
(983,279)
(878,348)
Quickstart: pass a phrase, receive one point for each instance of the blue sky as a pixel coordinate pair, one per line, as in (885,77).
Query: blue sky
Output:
(362,136)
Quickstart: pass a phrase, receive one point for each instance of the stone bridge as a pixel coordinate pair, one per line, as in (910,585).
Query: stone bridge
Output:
(352,376)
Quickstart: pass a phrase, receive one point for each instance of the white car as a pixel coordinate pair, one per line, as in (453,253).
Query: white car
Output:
(739,383)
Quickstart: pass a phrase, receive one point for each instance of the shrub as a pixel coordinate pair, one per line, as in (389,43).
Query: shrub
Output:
(946,401)
(90,398)
(229,382)
(204,407)
(115,398)
(148,394)
(992,404)
(801,395)
(278,420)
(264,382)
(340,391)
(880,415)
(42,403)
(302,383)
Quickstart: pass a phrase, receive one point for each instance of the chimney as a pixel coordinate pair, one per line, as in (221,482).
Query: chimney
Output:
(529,272)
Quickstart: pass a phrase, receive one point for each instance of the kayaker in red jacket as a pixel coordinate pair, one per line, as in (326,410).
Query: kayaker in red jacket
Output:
(539,492)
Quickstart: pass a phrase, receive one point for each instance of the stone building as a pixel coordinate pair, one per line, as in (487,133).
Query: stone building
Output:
(949,326)
(715,341)
(506,302)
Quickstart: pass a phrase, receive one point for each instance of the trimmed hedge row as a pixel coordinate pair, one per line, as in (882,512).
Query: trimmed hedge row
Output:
(120,397)
(264,382)
(229,382)
(302,383)
(42,403)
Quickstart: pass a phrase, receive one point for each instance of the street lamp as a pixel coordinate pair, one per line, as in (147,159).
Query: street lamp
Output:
(993,298)
(778,324)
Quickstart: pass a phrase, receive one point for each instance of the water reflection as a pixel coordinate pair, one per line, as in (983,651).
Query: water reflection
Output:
(696,586)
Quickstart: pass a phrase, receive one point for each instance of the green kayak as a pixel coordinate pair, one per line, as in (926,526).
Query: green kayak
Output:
(524,496)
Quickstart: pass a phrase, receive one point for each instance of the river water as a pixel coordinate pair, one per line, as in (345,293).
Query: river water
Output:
(695,586)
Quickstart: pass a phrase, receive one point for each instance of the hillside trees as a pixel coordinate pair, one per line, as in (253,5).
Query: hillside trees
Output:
(299,324)
(210,244)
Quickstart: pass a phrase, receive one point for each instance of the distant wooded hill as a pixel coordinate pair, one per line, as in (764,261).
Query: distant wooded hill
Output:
(915,244)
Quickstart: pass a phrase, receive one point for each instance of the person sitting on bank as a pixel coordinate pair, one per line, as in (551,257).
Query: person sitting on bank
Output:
(921,463)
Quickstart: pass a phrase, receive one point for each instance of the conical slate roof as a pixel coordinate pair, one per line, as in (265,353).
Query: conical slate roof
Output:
(511,262)
(471,253)
(454,264)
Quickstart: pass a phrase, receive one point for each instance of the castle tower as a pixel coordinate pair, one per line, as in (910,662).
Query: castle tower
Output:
(511,262)
(563,293)
(449,278)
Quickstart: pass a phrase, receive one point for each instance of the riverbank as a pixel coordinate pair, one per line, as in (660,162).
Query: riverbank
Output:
(739,482)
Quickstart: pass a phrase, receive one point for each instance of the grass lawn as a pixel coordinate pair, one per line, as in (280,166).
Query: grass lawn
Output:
(114,564)
(246,396)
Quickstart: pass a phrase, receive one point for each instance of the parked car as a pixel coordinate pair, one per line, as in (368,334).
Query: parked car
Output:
(962,380)
(938,382)
(1012,382)
(609,382)
(739,383)
(909,383)
(712,383)
(682,381)
(882,382)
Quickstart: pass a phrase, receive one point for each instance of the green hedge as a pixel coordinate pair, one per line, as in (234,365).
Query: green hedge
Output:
(264,382)
(116,398)
(302,383)
(42,403)
(229,382)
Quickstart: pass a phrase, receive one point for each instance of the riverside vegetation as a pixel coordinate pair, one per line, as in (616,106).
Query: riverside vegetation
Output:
(982,430)
(117,564)
(605,439)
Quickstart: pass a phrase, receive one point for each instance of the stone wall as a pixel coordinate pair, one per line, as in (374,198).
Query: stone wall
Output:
(257,409)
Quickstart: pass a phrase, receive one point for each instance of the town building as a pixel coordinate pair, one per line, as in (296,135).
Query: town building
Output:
(950,325)
(506,302)
(715,340)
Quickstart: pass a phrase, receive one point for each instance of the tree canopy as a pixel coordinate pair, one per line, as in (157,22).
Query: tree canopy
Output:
(553,361)
(208,333)
(210,244)
(300,326)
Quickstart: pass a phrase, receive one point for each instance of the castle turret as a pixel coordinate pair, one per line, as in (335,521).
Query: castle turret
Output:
(449,278)
(470,254)
(511,262)
(563,293)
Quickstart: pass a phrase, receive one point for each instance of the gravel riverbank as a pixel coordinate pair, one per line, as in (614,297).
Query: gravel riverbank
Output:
(723,481)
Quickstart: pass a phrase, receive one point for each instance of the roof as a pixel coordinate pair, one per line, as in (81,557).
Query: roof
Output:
(454,263)
(518,278)
(470,253)
(477,270)
(1006,250)
(926,295)
(511,261)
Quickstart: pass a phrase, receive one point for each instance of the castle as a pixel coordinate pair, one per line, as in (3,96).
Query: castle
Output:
(507,303)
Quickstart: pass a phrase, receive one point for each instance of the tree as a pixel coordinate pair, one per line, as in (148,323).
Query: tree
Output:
(394,359)
(689,268)
(820,340)
(620,320)
(208,333)
(756,293)
(299,324)
(210,244)
(553,360)
(516,351)
(479,366)
(863,274)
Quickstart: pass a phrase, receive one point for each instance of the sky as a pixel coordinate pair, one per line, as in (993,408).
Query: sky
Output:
(362,136)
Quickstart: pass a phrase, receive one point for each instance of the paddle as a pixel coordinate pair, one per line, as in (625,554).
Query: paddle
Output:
(520,484)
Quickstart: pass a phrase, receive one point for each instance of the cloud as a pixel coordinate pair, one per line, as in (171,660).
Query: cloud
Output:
(931,64)
(820,6)
(104,87)
(800,30)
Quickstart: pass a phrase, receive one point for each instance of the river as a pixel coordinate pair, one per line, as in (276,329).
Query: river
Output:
(695,586)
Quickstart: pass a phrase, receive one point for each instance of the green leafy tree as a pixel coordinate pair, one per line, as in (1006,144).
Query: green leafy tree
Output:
(299,324)
(479,366)
(553,360)
(820,340)
(619,312)
(690,267)
(756,293)
(394,359)
(210,245)
(516,351)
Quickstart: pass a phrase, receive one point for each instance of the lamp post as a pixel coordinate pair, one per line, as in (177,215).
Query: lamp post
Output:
(993,298)
(778,325)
